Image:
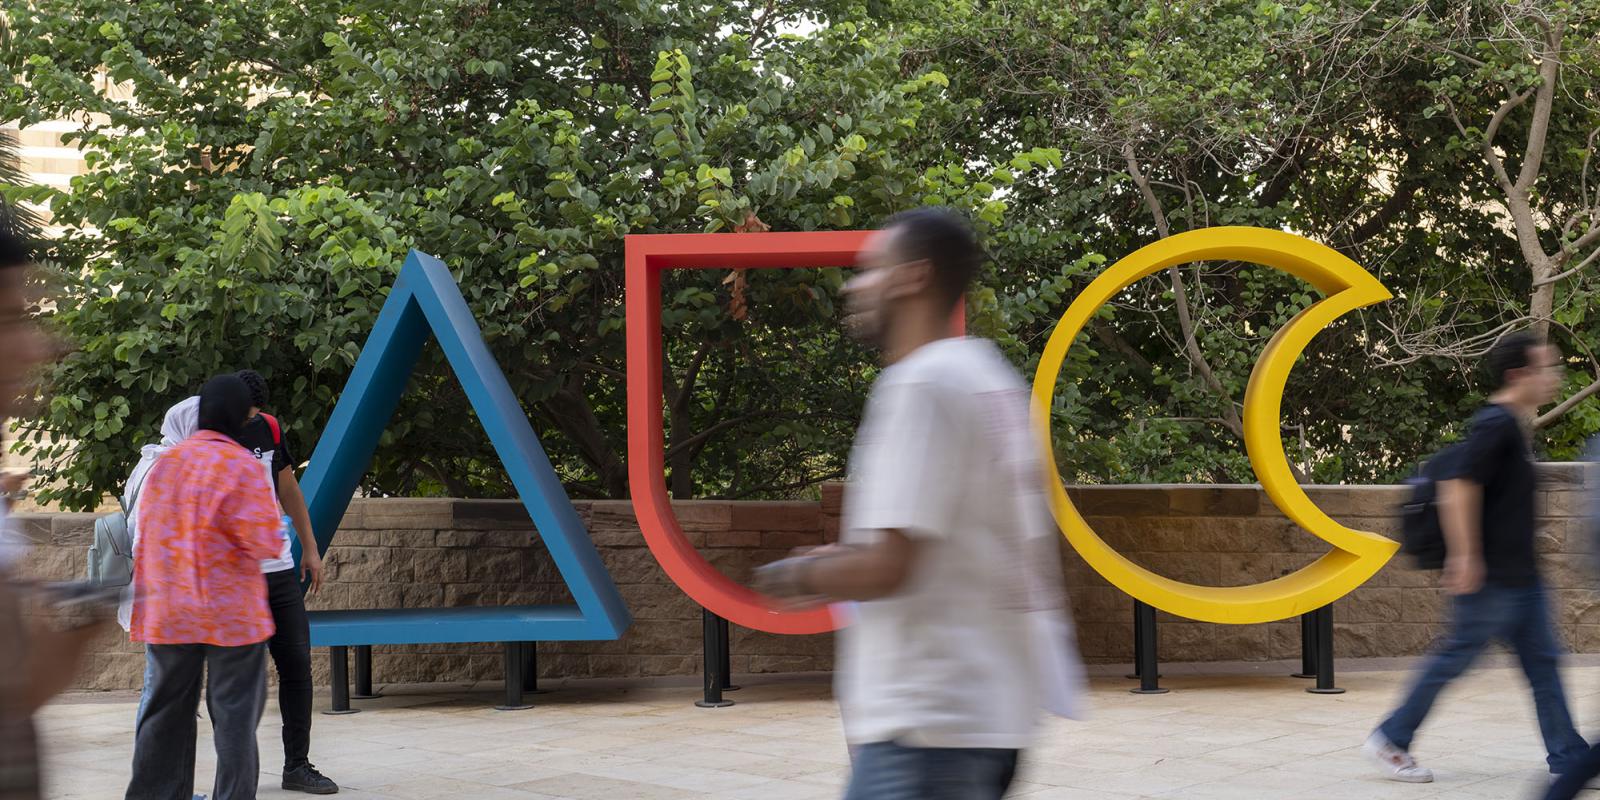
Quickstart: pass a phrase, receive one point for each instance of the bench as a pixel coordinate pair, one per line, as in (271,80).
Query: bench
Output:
(516,627)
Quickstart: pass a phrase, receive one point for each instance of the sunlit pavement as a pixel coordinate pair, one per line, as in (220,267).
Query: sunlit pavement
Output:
(1225,731)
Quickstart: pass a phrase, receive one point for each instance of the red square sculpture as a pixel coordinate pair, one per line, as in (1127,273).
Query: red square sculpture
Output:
(648,255)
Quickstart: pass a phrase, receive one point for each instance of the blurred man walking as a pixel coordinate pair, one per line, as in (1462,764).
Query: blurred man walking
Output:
(945,542)
(1486,500)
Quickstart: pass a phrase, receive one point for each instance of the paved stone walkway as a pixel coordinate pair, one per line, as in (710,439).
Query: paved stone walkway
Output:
(1245,734)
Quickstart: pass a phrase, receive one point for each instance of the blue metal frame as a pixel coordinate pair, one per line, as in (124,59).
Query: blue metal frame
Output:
(426,299)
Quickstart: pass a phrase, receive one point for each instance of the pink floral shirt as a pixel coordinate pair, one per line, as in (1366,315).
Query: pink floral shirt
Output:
(206,518)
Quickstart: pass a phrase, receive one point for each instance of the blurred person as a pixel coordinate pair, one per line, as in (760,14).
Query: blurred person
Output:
(1567,786)
(36,663)
(1486,510)
(960,635)
(13,485)
(290,645)
(205,522)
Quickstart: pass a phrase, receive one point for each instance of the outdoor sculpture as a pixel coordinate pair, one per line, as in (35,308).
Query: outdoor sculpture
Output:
(425,299)
(1356,556)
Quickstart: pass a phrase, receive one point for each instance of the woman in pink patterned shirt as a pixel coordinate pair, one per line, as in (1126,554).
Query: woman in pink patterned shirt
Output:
(206,518)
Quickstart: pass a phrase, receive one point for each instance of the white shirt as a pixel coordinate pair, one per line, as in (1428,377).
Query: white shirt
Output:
(285,559)
(12,546)
(977,641)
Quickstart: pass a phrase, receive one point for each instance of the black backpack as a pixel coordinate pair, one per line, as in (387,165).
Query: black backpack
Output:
(1421,534)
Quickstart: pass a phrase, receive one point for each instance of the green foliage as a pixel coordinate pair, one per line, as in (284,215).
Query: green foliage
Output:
(1322,119)
(263,167)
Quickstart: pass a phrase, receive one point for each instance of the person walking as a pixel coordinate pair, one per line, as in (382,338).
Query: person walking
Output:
(206,519)
(290,646)
(1486,509)
(36,662)
(946,546)
(1575,780)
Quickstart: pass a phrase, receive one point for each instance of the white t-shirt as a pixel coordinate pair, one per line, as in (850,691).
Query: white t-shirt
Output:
(977,642)
(12,546)
(285,559)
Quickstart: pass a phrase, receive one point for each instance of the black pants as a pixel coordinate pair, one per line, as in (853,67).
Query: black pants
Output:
(290,646)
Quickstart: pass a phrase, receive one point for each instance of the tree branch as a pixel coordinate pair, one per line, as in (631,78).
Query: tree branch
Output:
(1281,183)
(682,391)
(789,487)
(1394,206)
(1539,129)
(1569,273)
(1151,202)
(1491,131)
(1110,338)
(1567,405)
(689,442)
(569,409)
(1191,345)
(609,372)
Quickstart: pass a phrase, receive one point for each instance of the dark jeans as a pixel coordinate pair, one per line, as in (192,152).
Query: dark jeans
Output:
(1519,616)
(164,740)
(1572,781)
(888,771)
(290,646)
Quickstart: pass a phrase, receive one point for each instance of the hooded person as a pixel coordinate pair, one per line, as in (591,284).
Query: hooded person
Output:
(206,518)
(181,421)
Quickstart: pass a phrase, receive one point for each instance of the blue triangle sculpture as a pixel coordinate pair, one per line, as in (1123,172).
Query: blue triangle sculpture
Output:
(425,299)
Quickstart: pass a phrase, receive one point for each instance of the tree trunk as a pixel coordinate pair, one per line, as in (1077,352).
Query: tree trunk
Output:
(569,409)
(681,463)
(679,400)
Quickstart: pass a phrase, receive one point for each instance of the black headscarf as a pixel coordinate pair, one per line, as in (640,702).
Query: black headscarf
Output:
(224,405)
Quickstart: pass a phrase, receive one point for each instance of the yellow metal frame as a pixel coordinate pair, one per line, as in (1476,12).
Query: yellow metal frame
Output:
(1356,555)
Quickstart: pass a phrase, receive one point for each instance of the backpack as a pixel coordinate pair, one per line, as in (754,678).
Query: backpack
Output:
(277,432)
(1421,533)
(111,552)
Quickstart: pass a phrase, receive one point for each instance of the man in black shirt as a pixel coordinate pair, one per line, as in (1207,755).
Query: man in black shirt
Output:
(1486,510)
(290,644)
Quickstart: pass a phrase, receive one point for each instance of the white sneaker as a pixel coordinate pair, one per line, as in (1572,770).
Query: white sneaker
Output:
(1397,764)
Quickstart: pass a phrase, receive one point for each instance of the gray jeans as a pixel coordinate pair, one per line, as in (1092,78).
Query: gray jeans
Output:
(164,744)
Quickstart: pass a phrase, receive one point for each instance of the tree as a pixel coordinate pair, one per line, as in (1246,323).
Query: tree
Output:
(262,167)
(15,219)
(1311,117)
(1517,82)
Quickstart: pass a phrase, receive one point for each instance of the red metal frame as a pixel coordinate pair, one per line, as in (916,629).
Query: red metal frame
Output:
(648,255)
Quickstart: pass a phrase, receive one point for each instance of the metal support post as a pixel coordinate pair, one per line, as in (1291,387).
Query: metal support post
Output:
(1148,663)
(339,662)
(714,631)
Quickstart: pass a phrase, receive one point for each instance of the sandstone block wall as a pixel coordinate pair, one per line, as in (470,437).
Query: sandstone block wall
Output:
(408,553)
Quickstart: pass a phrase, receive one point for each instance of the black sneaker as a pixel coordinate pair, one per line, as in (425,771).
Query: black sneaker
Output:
(307,779)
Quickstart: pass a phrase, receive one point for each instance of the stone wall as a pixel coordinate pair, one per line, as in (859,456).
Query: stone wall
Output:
(440,552)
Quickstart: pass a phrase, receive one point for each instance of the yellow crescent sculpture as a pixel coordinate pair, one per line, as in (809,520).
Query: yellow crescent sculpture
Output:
(1356,555)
